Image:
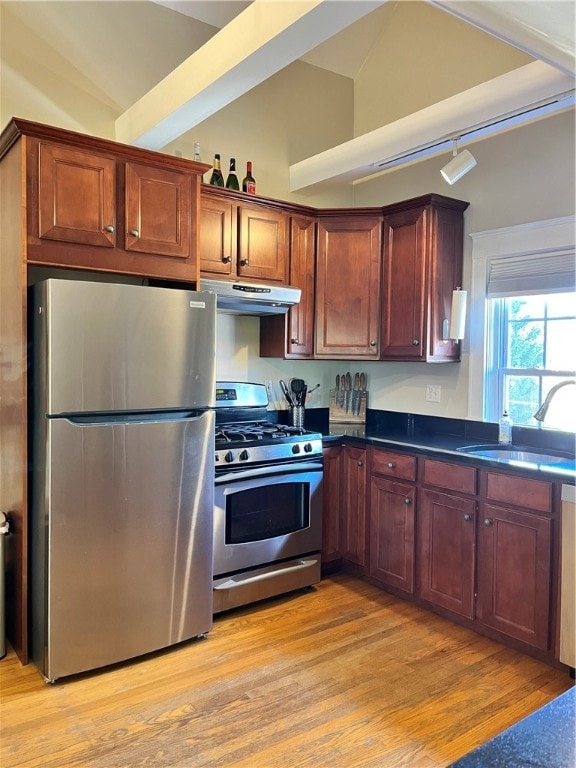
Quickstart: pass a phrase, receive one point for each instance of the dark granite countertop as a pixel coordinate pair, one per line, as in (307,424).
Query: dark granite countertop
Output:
(544,739)
(443,437)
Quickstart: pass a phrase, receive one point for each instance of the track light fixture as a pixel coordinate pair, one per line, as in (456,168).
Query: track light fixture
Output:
(459,165)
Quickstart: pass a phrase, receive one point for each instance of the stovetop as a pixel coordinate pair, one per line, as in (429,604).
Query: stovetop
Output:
(258,431)
(245,434)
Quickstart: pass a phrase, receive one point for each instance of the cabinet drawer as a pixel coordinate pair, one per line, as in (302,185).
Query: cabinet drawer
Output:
(394,464)
(453,477)
(521,492)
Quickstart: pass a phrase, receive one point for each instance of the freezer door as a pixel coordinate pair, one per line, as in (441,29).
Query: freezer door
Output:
(108,347)
(122,558)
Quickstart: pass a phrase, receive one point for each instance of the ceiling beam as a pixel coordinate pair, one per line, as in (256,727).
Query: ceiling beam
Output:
(485,104)
(256,44)
(544,30)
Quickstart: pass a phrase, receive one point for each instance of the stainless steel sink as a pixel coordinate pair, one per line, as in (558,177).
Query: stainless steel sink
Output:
(523,454)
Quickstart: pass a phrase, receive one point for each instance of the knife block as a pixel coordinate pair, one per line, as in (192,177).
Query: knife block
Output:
(338,410)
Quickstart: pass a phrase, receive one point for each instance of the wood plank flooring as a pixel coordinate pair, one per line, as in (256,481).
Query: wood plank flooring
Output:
(342,676)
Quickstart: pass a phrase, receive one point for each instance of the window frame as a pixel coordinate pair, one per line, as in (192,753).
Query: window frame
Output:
(497,321)
(542,238)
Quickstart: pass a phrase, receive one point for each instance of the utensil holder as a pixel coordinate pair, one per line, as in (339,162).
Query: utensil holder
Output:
(296,416)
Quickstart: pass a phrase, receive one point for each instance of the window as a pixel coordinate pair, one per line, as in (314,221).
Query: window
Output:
(522,322)
(533,349)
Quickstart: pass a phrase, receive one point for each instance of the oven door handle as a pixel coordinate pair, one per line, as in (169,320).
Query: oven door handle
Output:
(272,469)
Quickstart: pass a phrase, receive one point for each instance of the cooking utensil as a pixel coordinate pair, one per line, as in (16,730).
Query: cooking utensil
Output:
(341,391)
(348,392)
(287,393)
(356,395)
(297,387)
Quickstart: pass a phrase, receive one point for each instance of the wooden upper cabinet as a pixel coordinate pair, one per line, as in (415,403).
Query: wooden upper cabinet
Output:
(242,240)
(348,287)
(292,335)
(262,244)
(158,208)
(77,196)
(217,236)
(422,266)
(97,205)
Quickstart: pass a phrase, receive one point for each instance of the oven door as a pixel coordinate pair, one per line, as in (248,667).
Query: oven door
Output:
(267,514)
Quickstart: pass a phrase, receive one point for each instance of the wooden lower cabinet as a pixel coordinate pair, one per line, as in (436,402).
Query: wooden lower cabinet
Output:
(353,510)
(514,574)
(392,516)
(446,551)
(479,545)
(331,503)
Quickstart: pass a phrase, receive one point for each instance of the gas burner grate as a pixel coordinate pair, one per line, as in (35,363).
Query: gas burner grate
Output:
(244,432)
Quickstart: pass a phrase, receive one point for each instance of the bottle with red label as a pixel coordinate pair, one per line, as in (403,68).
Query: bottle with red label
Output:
(249,182)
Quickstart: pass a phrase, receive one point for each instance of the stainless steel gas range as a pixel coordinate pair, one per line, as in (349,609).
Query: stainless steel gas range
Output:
(268,500)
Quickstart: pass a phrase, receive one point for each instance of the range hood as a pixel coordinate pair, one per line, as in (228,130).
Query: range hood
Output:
(241,298)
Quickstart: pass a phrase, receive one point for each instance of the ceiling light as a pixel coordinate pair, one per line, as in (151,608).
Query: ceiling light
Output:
(459,165)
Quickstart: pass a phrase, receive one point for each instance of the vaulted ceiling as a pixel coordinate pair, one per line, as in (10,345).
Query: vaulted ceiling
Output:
(337,35)
(235,45)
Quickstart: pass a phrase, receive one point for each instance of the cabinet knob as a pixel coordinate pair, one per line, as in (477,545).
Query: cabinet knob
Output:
(372,343)
(390,465)
(134,233)
(244,262)
(226,259)
(360,463)
(487,521)
(109,228)
(415,342)
(295,341)
(467,517)
(407,501)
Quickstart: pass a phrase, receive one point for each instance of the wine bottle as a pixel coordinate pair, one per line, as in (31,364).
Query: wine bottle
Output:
(232,180)
(197,156)
(217,179)
(249,182)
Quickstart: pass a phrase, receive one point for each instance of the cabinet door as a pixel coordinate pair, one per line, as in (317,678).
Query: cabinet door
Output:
(446,547)
(157,211)
(300,342)
(514,573)
(217,236)
(348,287)
(262,244)
(392,516)
(292,335)
(332,498)
(76,196)
(404,285)
(353,511)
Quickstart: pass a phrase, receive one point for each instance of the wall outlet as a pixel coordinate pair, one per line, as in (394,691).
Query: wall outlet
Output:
(433,392)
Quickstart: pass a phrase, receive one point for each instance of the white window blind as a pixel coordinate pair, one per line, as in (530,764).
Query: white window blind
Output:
(531,273)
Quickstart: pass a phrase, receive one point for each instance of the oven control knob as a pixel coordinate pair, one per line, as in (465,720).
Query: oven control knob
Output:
(296,448)
(229,457)
(308,447)
(244,455)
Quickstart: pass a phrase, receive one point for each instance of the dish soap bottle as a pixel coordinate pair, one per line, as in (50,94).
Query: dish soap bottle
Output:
(505,429)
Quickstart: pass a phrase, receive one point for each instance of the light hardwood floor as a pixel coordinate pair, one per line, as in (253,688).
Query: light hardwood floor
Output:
(342,676)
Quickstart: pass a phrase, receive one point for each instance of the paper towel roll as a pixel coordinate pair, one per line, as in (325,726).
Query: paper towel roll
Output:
(458,316)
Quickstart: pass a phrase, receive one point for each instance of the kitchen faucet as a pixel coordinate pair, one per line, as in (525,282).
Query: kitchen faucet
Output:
(540,414)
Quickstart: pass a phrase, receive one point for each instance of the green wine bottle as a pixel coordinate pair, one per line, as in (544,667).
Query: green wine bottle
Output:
(232,180)
(217,179)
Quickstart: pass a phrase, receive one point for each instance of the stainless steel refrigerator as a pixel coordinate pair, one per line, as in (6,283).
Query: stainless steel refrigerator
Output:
(123,380)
